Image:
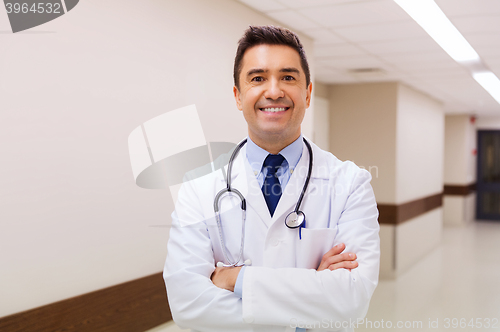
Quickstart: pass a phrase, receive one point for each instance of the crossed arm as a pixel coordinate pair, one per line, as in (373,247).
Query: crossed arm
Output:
(225,277)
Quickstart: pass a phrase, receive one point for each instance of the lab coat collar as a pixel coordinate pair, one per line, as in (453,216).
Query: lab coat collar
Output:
(243,179)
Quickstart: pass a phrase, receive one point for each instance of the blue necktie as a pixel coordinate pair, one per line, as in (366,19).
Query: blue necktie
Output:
(272,187)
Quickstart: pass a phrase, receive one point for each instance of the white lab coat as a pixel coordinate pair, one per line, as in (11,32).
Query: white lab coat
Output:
(281,289)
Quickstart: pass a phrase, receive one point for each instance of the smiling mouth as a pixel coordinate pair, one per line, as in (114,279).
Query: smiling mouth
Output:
(274,109)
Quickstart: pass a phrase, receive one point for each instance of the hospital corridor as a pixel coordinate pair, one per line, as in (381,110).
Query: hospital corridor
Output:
(455,283)
(249,165)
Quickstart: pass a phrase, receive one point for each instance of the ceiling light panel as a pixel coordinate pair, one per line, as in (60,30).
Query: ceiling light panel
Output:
(432,19)
(490,83)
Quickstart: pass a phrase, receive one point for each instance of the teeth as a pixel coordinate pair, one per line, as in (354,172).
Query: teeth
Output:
(276,109)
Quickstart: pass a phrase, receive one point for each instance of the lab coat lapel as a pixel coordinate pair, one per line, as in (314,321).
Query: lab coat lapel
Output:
(246,182)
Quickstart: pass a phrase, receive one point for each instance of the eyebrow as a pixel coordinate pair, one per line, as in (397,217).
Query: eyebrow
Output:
(282,70)
(289,70)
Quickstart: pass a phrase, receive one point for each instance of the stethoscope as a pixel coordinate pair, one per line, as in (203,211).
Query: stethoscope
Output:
(295,219)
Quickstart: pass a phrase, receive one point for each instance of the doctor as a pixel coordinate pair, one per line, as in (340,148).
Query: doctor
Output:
(322,278)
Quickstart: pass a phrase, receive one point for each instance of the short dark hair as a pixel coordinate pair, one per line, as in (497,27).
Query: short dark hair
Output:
(268,35)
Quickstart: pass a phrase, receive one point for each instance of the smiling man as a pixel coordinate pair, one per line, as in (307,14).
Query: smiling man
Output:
(282,272)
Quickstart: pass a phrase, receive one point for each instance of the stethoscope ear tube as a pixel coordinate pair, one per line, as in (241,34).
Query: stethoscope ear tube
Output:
(217,200)
(227,190)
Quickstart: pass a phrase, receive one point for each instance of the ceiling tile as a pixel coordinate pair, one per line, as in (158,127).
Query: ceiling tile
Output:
(353,34)
(487,45)
(442,78)
(472,24)
(401,46)
(409,59)
(337,79)
(337,50)
(352,62)
(469,89)
(435,72)
(323,36)
(423,66)
(355,13)
(382,32)
(264,5)
(494,67)
(293,20)
(312,3)
(454,8)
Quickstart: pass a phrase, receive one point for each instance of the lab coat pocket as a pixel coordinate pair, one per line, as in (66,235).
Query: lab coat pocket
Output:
(314,244)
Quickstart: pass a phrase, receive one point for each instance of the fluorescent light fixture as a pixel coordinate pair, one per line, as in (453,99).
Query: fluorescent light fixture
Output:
(432,19)
(490,83)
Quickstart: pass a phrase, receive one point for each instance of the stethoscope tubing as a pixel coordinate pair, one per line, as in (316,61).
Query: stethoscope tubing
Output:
(229,190)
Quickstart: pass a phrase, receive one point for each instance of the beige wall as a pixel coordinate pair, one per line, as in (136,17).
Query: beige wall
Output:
(72,219)
(321,90)
(459,210)
(363,129)
(488,122)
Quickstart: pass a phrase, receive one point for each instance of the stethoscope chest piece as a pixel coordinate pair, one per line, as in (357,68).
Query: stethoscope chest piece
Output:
(295,219)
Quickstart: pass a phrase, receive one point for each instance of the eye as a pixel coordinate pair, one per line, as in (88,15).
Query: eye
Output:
(258,79)
(289,78)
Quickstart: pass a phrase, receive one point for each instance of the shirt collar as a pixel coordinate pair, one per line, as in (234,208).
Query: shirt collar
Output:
(256,155)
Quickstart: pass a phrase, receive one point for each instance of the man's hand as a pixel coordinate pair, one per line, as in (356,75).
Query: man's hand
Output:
(335,259)
(225,277)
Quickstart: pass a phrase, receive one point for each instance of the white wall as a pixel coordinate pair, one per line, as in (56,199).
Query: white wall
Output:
(459,168)
(72,220)
(419,145)
(460,142)
(401,132)
(322,122)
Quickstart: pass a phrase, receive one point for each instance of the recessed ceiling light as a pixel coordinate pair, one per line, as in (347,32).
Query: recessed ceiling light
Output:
(490,83)
(432,19)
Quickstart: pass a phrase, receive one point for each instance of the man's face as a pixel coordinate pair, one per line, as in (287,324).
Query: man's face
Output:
(273,94)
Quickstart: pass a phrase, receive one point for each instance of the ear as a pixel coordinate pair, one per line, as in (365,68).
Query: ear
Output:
(237,98)
(309,92)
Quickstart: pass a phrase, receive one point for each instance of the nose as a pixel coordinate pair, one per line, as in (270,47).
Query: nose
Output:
(274,90)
